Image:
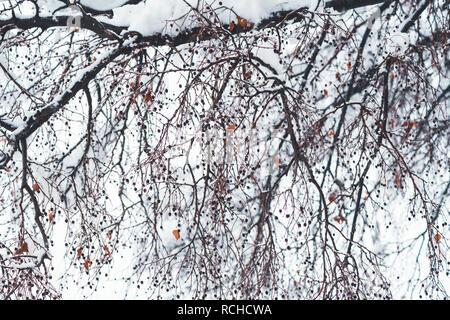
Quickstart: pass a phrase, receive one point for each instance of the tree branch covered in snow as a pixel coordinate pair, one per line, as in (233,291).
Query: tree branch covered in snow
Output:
(224,149)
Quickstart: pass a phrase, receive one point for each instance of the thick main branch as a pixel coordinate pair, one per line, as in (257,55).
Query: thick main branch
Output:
(111,31)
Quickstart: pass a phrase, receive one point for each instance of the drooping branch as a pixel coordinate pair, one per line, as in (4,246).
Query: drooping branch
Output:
(111,32)
(43,114)
(37,211)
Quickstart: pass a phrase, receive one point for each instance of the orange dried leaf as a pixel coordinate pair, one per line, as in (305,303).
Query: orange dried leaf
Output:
(107,250)
(349,66)
(231,26)
(339,219)
(50,217)
(176,233)
(23,248)
(242,22)
(79,251)
(36,187)
(437,237)
(325,92)
(231,127)
(108,235)
(332,197)
(87,263)
(148,96)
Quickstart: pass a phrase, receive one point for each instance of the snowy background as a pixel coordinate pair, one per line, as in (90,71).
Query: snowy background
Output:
(131,261)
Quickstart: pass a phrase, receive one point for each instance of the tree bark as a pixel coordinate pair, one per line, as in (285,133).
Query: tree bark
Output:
(343,5)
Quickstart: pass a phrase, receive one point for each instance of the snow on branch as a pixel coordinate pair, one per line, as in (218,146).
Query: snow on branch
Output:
(172,21)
